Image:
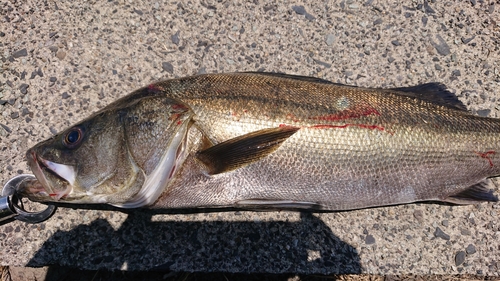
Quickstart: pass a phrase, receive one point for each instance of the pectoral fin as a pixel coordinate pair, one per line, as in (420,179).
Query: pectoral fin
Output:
(243,150)
(473,195)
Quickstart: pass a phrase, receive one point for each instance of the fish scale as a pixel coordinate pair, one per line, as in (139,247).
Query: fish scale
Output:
(262,140)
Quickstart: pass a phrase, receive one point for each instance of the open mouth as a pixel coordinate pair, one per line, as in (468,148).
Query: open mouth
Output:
(44,169)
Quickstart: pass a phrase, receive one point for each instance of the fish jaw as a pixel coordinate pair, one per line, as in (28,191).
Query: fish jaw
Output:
(44,190)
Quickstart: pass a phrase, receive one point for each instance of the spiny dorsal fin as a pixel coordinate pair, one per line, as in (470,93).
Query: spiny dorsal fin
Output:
(433,92)
(243,150)
(294,77)
(473,195)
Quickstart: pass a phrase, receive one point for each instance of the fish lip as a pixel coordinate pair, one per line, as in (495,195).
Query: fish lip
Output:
(40,176)
(65,172)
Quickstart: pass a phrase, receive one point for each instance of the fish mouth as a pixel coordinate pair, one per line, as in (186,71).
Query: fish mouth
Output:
(43,169)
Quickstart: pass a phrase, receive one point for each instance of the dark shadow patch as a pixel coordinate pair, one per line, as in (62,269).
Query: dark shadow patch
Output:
(306,246)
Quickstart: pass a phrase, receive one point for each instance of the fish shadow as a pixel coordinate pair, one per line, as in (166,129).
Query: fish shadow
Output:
(305,246)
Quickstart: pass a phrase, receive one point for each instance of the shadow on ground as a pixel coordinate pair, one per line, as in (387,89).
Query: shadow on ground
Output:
(306,246)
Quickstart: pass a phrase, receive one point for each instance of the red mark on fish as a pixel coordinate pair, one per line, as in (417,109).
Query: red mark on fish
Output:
(179,106)
(154,88)
(289,126)
(57,196)
(292,117)
(174,116)
(485,155)
(171,172)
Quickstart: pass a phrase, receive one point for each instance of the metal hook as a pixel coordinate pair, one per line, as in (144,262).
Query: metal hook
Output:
(11,205)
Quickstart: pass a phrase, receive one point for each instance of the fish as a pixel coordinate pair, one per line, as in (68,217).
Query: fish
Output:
(271,141)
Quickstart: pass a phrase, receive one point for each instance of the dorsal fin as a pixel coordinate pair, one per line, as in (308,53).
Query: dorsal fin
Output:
(243,150)
(295,77)
(434,93)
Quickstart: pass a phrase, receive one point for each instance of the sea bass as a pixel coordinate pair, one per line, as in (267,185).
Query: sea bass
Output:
(257,140)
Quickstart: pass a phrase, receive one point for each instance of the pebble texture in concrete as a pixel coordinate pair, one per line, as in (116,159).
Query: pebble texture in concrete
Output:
(60,61)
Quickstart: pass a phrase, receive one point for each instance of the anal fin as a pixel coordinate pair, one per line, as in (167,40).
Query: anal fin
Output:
(243,150)
(278,204)
(473,195)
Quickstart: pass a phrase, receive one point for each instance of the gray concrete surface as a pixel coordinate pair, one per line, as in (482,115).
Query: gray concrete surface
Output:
(60,61)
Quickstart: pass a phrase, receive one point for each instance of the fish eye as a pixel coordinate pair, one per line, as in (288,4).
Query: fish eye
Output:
(73,137)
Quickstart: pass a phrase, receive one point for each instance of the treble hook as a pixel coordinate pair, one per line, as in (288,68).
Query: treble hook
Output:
(11,205)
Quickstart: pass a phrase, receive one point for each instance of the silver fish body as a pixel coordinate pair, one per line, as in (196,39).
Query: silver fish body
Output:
(269,140)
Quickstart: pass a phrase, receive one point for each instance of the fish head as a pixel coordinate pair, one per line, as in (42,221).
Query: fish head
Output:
(71,165)
(123,155)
